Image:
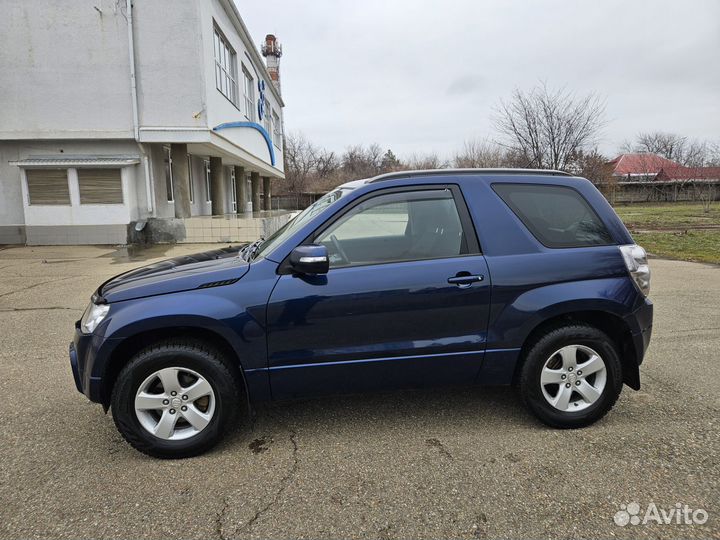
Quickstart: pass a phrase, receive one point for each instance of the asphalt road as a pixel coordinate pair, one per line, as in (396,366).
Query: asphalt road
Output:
(468,463)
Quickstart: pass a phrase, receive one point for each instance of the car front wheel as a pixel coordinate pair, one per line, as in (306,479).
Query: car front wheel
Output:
(571,377)
(175,399)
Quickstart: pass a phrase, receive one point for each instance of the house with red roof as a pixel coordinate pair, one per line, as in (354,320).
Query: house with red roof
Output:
(644,177)
(651,167)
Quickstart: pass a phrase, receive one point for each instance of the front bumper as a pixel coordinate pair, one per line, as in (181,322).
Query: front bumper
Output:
(83,352)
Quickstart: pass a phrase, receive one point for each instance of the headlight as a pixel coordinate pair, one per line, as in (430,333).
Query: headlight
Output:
(637,264)
(94,315)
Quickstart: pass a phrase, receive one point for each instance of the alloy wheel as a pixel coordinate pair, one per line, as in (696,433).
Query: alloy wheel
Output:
(573,378)
(175,403)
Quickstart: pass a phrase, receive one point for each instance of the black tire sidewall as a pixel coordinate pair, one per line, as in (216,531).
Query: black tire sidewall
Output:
(195,358)
(535,361)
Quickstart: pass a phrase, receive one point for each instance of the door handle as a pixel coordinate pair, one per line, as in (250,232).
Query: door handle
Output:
(465,280)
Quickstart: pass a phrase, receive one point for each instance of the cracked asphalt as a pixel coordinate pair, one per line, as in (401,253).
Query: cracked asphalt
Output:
(462,463)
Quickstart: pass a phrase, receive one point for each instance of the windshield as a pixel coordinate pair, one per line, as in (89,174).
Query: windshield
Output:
(298,221)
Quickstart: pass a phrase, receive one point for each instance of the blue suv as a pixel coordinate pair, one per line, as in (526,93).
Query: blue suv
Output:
(410,279)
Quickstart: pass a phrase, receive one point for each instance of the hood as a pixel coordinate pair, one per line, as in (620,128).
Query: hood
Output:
(201,270)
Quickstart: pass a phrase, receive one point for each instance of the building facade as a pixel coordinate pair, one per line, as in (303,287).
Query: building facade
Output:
(121,119)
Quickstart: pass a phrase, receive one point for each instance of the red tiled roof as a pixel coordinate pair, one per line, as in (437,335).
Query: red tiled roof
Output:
(660,168)
(649,164)
(690,173)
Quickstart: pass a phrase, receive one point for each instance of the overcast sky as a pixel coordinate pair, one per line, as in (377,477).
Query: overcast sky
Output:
(418,76)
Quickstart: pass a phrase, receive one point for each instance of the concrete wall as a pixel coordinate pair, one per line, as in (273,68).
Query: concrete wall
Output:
(76,223)
(170,66)
(65,69)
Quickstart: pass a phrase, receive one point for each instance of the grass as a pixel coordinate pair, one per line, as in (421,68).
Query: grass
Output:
(675,230)
(698,246)
(668,215)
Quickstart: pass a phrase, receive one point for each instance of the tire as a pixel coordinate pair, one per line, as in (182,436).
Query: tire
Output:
(193,369)
(589,396)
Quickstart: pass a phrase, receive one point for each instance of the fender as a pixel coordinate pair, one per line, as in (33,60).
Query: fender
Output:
(512,323)
(210,310)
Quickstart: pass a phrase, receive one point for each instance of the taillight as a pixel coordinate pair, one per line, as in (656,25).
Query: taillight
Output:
(637,264)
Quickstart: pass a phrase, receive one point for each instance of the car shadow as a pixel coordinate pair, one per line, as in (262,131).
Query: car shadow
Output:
(449,408)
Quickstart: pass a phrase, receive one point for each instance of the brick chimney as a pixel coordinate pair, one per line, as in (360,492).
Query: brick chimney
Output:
(272,51)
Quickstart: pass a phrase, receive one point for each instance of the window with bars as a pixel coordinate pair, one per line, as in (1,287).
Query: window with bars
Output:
(225,67)
(48,187)
(100,186)
(249,93)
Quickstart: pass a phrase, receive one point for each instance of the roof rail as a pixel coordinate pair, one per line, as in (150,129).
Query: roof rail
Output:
(438,172)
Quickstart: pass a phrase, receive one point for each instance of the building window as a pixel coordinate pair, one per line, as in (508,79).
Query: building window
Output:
(100,186)
(48,186)
(233,190)
(267,122)
(225,67)
(277,129)
(249,93)
(208,193)
(190,179)
(168,175)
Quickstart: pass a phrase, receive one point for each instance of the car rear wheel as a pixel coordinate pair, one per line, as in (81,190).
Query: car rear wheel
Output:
(175,399)
(571,377)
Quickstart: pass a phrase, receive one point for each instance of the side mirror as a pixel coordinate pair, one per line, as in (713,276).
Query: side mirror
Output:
(310,259)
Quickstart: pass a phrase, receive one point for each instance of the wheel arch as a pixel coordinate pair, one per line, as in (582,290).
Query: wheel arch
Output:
(133,343)
(610,323)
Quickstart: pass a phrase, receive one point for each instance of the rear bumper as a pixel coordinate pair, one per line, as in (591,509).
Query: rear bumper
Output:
(643,318)
(640,324)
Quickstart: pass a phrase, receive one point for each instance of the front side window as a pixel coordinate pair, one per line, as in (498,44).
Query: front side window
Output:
(168,175)
(295,224)
(48,187)
(225,67)
(558,216)
(249,94)
(396,227)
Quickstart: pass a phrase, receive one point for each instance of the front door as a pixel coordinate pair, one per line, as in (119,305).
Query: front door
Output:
(405,302)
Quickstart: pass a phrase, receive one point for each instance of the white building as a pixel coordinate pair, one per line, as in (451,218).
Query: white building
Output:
(119,117)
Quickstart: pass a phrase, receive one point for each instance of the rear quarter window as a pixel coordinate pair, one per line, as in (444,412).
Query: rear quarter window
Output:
(558,216)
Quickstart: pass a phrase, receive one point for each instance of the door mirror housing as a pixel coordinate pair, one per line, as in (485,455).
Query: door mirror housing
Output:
(310,259)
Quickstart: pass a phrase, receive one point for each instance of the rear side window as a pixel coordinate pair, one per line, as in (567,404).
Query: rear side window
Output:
(557,216)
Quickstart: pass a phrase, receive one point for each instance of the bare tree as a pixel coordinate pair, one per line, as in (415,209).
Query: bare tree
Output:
(301,160)
(705,191)
(359,161)
(677,148)
(425,161)
(480,153)
(547,127)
